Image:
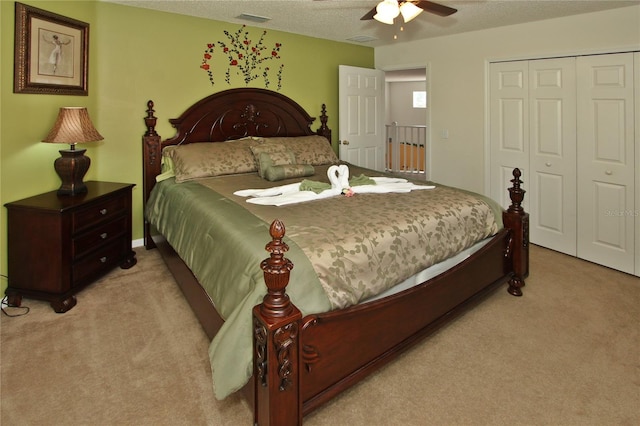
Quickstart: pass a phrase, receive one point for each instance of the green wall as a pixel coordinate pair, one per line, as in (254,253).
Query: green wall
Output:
(137,55)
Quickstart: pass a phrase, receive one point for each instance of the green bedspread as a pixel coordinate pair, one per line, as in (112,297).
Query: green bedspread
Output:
(344,249)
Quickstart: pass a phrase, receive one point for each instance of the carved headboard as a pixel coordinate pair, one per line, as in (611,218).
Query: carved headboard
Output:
(230,114)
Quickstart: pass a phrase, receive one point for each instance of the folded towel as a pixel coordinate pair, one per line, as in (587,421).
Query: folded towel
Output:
(343,176)
(309,190)
(269,192)
(314,185)
(318,187)
(383,188)
(361,180)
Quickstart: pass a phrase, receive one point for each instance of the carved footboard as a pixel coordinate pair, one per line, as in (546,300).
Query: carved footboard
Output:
(276,344)
(300,363)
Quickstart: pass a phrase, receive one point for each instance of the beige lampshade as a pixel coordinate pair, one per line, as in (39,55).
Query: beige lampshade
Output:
(73,126)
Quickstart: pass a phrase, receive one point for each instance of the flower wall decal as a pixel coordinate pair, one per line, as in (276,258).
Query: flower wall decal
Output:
(245,58)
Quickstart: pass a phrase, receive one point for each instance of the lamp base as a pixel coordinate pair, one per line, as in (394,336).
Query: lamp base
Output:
(71,167)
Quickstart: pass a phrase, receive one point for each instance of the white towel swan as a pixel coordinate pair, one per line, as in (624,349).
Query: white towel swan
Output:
(343,176)
(339,180)
(336,176)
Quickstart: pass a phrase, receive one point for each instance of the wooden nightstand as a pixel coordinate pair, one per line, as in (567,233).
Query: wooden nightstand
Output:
(57,245)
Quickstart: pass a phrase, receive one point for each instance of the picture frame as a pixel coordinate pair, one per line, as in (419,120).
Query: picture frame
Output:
(51,53)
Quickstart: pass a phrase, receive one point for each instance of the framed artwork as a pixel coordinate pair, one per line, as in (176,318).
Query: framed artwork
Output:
(51,53)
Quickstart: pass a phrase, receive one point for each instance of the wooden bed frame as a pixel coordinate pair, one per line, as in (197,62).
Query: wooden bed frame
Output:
(300,363)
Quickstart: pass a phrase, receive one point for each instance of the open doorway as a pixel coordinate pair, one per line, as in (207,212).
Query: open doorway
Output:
(406,117)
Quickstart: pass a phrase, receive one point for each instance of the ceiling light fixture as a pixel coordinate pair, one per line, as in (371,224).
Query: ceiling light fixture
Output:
(409,11)
(388,10)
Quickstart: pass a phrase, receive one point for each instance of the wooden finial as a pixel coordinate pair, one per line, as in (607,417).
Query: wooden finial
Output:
(516,193)
(323,117)
(276,274)
(150,120)
(324,130)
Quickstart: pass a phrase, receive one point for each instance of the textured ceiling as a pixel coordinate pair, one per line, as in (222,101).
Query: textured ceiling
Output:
(340,20)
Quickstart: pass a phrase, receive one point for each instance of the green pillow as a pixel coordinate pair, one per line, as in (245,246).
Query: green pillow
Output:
(315,150)
(207,159)
(287,171)
(268,155)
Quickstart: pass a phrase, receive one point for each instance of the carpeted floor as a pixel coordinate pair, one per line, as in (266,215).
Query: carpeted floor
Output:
(132,353)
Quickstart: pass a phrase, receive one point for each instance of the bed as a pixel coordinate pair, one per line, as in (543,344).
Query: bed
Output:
(302,349)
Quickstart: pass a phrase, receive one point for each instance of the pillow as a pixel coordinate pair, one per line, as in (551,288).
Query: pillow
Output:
(273,154)
(166,165)
(207,159)
(314,149)
(274,173)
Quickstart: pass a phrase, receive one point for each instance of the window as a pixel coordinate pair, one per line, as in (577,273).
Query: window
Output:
(420,99)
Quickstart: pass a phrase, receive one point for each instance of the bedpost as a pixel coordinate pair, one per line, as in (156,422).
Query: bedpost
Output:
(324,130)
(276,343)
(517,220)
(151,151)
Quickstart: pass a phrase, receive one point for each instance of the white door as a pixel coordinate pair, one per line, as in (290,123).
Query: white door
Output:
(509,127)
(361,117)
(552,141)
(606,224)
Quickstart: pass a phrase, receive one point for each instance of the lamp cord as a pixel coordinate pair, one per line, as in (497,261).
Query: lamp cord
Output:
(5,303)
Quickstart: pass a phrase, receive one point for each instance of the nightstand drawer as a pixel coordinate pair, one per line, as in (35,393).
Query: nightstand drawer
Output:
(104,259)
(97,212)
(96,237)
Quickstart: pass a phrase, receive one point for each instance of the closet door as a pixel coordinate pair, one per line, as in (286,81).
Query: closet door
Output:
(552,140)
(606,158)
(509,127)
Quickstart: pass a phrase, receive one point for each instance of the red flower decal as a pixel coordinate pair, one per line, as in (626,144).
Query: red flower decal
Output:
(244,58)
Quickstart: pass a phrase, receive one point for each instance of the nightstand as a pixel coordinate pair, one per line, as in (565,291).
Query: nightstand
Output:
(57,245)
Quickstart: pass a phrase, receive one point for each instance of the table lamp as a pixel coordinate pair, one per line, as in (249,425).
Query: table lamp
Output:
(72,126)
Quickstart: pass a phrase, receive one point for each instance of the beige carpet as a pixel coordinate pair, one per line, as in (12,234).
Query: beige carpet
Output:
(132,353)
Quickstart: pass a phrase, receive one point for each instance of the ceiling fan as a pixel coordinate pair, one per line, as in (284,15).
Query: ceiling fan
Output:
(387,10)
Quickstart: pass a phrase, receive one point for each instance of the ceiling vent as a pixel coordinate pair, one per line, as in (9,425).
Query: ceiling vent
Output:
(253,18)
(361,39)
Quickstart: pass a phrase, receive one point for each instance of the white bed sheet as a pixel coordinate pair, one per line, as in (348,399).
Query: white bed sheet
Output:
(431,271)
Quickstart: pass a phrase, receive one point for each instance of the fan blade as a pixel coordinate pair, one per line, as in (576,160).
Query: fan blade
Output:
(438,9)
(369,15)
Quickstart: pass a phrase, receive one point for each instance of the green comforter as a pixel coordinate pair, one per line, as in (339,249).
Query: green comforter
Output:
(344,249)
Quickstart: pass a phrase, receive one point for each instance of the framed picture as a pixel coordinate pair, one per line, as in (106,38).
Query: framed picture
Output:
(51,53)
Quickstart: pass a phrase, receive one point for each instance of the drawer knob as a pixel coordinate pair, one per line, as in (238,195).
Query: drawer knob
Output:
(103,235)
(103,211)
(608,173)
(103,259)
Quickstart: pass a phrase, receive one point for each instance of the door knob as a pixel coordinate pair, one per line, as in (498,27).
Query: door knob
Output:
(344,142)
(547,164)
(608,172)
